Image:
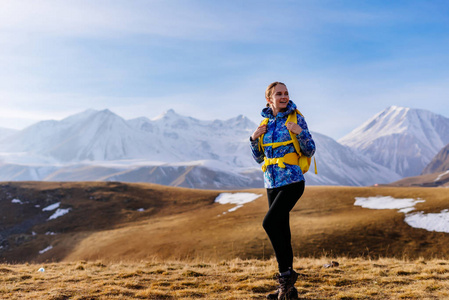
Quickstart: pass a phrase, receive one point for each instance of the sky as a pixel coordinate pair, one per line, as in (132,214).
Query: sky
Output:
(342,61)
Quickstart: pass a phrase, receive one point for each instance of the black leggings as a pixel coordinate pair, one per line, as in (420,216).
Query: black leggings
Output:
(277,221)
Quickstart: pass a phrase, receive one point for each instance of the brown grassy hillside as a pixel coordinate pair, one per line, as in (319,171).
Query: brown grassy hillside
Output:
(95,207)
(104,223)
(233,279)
(438,179)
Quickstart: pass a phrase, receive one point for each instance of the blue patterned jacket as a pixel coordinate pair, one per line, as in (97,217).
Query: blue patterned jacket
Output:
(275,176)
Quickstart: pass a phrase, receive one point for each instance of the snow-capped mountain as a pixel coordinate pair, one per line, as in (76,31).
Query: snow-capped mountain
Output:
(402,139)
(182,151)
(105,136)
(439,163)
(100,145)
(190,139)
(91,135)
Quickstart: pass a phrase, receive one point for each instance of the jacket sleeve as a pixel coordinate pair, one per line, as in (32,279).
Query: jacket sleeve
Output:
(305,139)
(257,154)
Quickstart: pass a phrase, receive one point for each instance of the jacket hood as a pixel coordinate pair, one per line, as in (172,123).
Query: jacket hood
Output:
(267,112)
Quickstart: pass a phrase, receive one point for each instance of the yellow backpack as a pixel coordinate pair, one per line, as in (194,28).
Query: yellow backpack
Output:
(297,158)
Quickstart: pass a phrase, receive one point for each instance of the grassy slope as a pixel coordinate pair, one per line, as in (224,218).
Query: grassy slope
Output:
(181,223)
(95,207)
(356,278)
(325,221)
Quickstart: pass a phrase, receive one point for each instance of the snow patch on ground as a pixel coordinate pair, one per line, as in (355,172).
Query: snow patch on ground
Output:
(430,222)
(237,198)
(16,201)
(52,207)
(387,202)
(441,175)
(59,213)
(46,249)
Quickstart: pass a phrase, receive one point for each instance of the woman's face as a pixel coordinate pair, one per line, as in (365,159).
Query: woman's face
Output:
(279,99)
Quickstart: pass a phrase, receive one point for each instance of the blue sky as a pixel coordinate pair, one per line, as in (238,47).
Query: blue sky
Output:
(343,61)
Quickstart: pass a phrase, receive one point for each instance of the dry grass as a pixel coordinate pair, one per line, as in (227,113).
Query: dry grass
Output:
(183,246)
(355,278)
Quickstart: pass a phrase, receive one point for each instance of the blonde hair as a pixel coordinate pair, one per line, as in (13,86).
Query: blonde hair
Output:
(270,89)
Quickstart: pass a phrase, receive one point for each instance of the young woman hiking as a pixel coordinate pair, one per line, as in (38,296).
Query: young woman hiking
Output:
(284,181)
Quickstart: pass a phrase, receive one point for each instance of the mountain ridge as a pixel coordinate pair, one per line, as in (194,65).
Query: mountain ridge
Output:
(101,145)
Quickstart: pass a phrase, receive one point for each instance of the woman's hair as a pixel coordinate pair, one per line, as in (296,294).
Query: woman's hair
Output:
(270,89)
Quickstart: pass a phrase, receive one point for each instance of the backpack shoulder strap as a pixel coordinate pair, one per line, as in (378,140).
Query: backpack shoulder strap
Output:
(293,118)
(264,122)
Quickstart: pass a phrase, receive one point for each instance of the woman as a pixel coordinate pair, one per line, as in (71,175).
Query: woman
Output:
(284,183)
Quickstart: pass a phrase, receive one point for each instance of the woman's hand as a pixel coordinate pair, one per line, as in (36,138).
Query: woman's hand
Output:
(295,128)
(258,132)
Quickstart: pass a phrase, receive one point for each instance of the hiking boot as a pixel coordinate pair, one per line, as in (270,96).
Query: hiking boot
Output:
(293,294)
(286,288)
